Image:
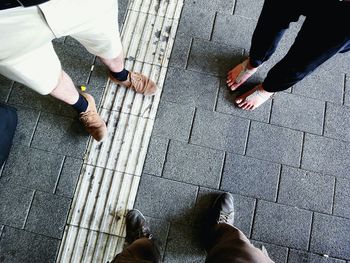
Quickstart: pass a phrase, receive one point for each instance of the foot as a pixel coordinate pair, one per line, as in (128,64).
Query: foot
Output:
(254,98)
(140,83)
(239,74)
(223,209)
(136,226)
(92,122)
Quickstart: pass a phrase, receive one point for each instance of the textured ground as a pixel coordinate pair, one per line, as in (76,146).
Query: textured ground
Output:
(286,163)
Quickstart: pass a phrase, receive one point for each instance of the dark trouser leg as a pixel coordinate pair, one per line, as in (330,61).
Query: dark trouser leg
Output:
(318,40)
(231,245)
(274,19)
(142,250)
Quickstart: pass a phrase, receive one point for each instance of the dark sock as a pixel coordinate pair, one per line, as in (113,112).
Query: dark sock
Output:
(81,105)
(121,76)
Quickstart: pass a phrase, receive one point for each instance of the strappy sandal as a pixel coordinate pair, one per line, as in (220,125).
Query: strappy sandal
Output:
(254,98)
(239,74)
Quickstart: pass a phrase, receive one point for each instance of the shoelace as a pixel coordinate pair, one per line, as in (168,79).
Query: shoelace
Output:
(87,118)
(243,72)
(223,218)
(136,82)
(144,232)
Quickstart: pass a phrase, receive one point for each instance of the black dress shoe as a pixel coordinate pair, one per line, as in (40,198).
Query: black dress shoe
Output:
(136,226)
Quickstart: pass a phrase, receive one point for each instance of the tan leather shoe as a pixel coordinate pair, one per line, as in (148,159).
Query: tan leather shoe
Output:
(92,122)
(140,83)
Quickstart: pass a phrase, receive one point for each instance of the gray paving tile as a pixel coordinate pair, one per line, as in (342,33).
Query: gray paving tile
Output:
(330,236)
(190,88)
(15,202)
(155,158)
(275,144)
(59,40)
(160,230)
(296,112)
(226,105)
(220,131)
(326,155)
(322,85)
(181,50)
(234,30)
(249,176)
(183,245)
(5,88)
(337,120)
(306,190)
(166,199)
(222,6)
(244,208)
(297,256)
(21,246)
(196,20)
(32,168)
(249,8)
(25,97)
(1,229)
(48,214)
(27,120)
(342,198)
(122,9)
(213,58)
(340,62)
(61,135)
(69,177)
(173,121)
(75,60)
(347,90)
(99,75)
(193,164)
(277,253)
(282,225)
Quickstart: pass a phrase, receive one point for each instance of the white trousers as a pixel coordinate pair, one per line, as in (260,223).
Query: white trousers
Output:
(26,52)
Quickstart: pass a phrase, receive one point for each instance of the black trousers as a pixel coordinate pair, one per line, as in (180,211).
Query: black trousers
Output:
(324,33)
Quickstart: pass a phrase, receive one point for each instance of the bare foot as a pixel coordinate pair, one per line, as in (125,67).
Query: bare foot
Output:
(239,74)
(253,98)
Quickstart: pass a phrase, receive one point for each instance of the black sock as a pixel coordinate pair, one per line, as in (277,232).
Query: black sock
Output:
(121,76)
(81,105)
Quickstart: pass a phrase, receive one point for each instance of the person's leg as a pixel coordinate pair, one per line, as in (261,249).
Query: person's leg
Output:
(227,243)
(274,20)
(310,49)
(141,250)
(101,37)
(231,245)
(142,246)
(41,71)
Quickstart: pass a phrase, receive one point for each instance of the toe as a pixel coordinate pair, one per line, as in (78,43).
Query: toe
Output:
(246,106)
(242,104)
(238,100)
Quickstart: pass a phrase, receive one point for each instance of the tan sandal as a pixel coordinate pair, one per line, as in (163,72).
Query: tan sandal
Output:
(254,98)
(239,74)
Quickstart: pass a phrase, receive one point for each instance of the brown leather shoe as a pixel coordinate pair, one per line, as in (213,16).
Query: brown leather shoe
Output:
(140,83)
(92,122)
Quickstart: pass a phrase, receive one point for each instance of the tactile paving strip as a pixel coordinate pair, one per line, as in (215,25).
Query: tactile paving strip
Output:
(111,173)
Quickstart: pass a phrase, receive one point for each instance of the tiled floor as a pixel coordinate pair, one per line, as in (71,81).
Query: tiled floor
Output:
(38,180)
(286,163)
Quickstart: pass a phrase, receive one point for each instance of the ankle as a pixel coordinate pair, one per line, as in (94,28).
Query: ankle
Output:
(263,90)
(121,75)
(250,65)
